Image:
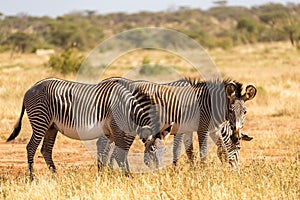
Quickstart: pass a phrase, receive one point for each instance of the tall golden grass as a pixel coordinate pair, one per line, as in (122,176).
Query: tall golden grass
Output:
(270,164)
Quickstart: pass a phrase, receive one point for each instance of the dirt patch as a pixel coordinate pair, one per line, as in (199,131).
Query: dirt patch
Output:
(275,139)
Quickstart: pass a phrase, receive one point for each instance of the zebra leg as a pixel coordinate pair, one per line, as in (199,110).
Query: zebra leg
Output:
(120,155)
(31,149)
(203,140)
(123,143)
(103,148)
(189,147)
(112,157)
(221,153)
(177,148)
(47,148)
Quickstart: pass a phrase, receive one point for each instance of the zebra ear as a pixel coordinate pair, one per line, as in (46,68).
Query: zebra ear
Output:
(166,132)
(246,137)
(168,129)
(250,92)
(230,90)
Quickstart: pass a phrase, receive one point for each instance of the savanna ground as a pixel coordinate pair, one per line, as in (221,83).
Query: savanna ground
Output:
(270,164)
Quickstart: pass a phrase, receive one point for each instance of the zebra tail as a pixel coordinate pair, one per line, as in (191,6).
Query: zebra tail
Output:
(17,127)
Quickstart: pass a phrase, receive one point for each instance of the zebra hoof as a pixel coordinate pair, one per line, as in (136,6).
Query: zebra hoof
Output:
(128,174)
(31,178)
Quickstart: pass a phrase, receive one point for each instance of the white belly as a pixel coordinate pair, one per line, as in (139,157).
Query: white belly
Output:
(188,127)
(88,132)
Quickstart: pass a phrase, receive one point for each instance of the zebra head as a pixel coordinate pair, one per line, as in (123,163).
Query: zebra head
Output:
(229,150)
(155,149)
(237,108)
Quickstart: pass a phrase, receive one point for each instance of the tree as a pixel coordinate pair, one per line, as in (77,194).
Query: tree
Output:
(248,28)
(61,34)
(90,13)
(220,2)
(74,30)
(273,14)
(19,42)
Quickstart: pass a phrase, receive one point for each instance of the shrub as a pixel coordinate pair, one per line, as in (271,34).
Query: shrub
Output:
(157,69)
(68,61)
(225,43)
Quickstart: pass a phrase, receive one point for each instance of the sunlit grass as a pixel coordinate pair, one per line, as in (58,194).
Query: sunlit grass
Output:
(269,164)
(258,179)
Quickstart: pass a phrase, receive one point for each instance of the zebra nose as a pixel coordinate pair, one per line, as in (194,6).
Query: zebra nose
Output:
(233,165)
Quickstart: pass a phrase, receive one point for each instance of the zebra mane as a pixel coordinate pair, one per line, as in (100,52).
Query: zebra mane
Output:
(193,80)
(198,81)
(238,89)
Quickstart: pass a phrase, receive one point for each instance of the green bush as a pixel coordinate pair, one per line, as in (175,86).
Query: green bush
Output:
(225,43)
(4,48)
(157,69)
(68,61)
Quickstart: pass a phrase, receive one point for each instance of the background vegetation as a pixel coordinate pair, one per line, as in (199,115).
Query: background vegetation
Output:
(220,26)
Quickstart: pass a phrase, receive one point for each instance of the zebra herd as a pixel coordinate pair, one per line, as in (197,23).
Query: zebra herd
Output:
(116,110)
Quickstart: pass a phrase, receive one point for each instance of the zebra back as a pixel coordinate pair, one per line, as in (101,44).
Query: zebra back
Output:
(80,107)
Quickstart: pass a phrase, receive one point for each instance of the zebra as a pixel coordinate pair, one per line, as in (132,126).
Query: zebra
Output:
(202,107)
(104,145)
(83,112)
(239,109)
(235,102)
(228,150)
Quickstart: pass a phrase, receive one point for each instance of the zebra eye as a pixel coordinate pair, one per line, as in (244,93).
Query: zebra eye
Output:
(245,112)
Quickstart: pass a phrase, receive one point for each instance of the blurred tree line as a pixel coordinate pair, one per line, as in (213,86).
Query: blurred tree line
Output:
(221,26)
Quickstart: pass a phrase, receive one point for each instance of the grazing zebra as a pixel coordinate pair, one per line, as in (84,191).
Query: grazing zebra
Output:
(239,110)
(201,107)
(228,150)
(83,112)
(104,145)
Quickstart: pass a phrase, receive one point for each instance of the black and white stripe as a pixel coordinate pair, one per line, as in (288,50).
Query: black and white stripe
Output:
(193,105)
(202,107)
(228,150)
(83,111)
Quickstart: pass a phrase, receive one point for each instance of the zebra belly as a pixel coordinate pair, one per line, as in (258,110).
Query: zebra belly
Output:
(185,127)
(87,132)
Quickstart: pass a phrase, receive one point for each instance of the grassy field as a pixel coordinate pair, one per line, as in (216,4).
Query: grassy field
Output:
(270,164)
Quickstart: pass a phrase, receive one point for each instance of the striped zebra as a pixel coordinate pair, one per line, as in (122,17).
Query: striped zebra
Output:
(238,109)
(83,112)
(201,107)
(228,150)
(105,145)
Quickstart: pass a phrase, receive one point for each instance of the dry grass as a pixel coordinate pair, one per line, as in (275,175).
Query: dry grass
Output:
(270,165)
(260,179)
